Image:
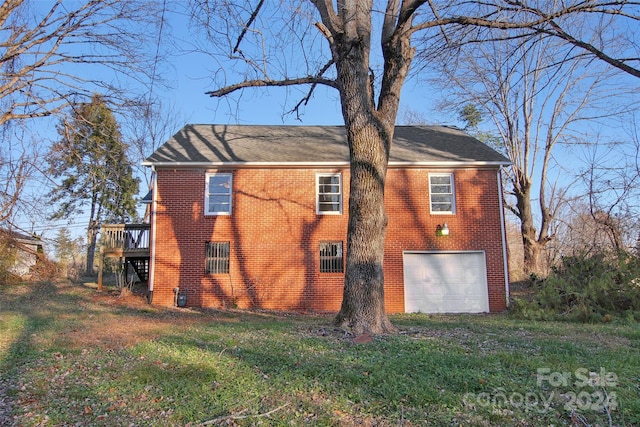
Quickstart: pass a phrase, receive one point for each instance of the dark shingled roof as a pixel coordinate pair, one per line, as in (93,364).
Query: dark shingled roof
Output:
(281,145)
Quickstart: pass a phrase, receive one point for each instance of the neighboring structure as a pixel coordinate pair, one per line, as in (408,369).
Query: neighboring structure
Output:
(256,217)
(22,252)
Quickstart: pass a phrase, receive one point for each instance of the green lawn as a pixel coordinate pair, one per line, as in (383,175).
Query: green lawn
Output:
(71,356)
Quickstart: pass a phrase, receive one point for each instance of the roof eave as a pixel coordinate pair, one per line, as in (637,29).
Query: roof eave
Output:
(449,164)
(303,165)
(247,165)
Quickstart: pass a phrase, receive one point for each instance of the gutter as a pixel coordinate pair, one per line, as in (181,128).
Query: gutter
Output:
(311,165)
(152,237)
(504,236)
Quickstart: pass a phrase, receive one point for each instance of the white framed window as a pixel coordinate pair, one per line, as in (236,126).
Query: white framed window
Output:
(442,193)
(218,194)
(331,257)
(329,193)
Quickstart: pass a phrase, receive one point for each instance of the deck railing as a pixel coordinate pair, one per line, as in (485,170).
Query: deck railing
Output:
(125,239)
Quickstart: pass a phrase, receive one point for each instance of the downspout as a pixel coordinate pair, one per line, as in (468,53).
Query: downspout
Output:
(504,235)
(152,236)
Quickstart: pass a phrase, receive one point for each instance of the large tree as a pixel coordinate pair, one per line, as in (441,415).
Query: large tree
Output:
(277,45)
(53,52)
(538,94)
(91,160)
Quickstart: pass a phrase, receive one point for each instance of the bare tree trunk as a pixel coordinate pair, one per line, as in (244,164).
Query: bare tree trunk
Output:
(363,308)
(92,232)
(532,251)
(369,136)
(531,246)
(92,238)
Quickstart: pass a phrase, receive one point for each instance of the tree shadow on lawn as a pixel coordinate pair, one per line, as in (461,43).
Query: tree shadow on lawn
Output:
(55,335)
(73,316)
(422,374)
(45,327)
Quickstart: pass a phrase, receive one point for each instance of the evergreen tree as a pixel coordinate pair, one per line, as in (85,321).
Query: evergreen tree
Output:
(67,250)
(91,160)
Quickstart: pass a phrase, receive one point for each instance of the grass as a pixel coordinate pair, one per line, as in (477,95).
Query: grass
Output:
(72,356)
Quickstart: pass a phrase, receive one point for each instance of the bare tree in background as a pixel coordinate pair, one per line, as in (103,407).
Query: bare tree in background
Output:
(17,165)
(54,53)
(602,30)
(537,94)
(608,214)
(150,126)
(285,45)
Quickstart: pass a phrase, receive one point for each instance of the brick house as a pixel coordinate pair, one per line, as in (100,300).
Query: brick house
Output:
(256,217)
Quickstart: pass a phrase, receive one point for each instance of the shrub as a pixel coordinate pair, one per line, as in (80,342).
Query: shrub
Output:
(586,288)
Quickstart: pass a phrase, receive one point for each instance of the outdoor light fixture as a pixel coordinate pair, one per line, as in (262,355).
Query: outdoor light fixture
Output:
(442,230)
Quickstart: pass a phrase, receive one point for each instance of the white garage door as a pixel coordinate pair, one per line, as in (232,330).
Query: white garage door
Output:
(445,282)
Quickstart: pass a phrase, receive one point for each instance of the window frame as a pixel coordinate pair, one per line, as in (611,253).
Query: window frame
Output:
(320,175)
(330,263)
(217,256)
(451,194)
(208,194)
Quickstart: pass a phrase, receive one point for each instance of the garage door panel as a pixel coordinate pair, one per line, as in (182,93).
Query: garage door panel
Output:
(446,282)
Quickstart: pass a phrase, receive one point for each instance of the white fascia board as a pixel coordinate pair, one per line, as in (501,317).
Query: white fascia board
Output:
(248,165)
(469,164)
(311,165)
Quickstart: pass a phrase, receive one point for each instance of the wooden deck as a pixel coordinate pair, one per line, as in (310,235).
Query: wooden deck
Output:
(125,240)
(130,243)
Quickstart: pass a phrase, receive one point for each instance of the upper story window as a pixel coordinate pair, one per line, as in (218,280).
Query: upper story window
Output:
(329,193)
(442,193)
(218,194)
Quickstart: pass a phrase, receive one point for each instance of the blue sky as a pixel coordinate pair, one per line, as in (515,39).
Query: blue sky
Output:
(268,106)
(191,75)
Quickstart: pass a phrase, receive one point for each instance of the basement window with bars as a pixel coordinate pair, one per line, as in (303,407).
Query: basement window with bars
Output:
(217,257)
(331,259)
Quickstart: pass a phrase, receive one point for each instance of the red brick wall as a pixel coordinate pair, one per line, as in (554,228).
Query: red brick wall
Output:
(475,225)
(274,233)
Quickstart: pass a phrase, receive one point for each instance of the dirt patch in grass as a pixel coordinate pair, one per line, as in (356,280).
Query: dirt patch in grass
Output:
(76,316)
(125,331)
(117,328)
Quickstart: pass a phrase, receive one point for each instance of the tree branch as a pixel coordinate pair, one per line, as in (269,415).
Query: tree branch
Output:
(306,99)
(544,23)
(241,417)
(329,17)
(390,19)
(272,83)
(559,32)
(249,22)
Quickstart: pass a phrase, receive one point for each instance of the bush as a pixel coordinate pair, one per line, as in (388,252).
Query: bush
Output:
(586,288)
